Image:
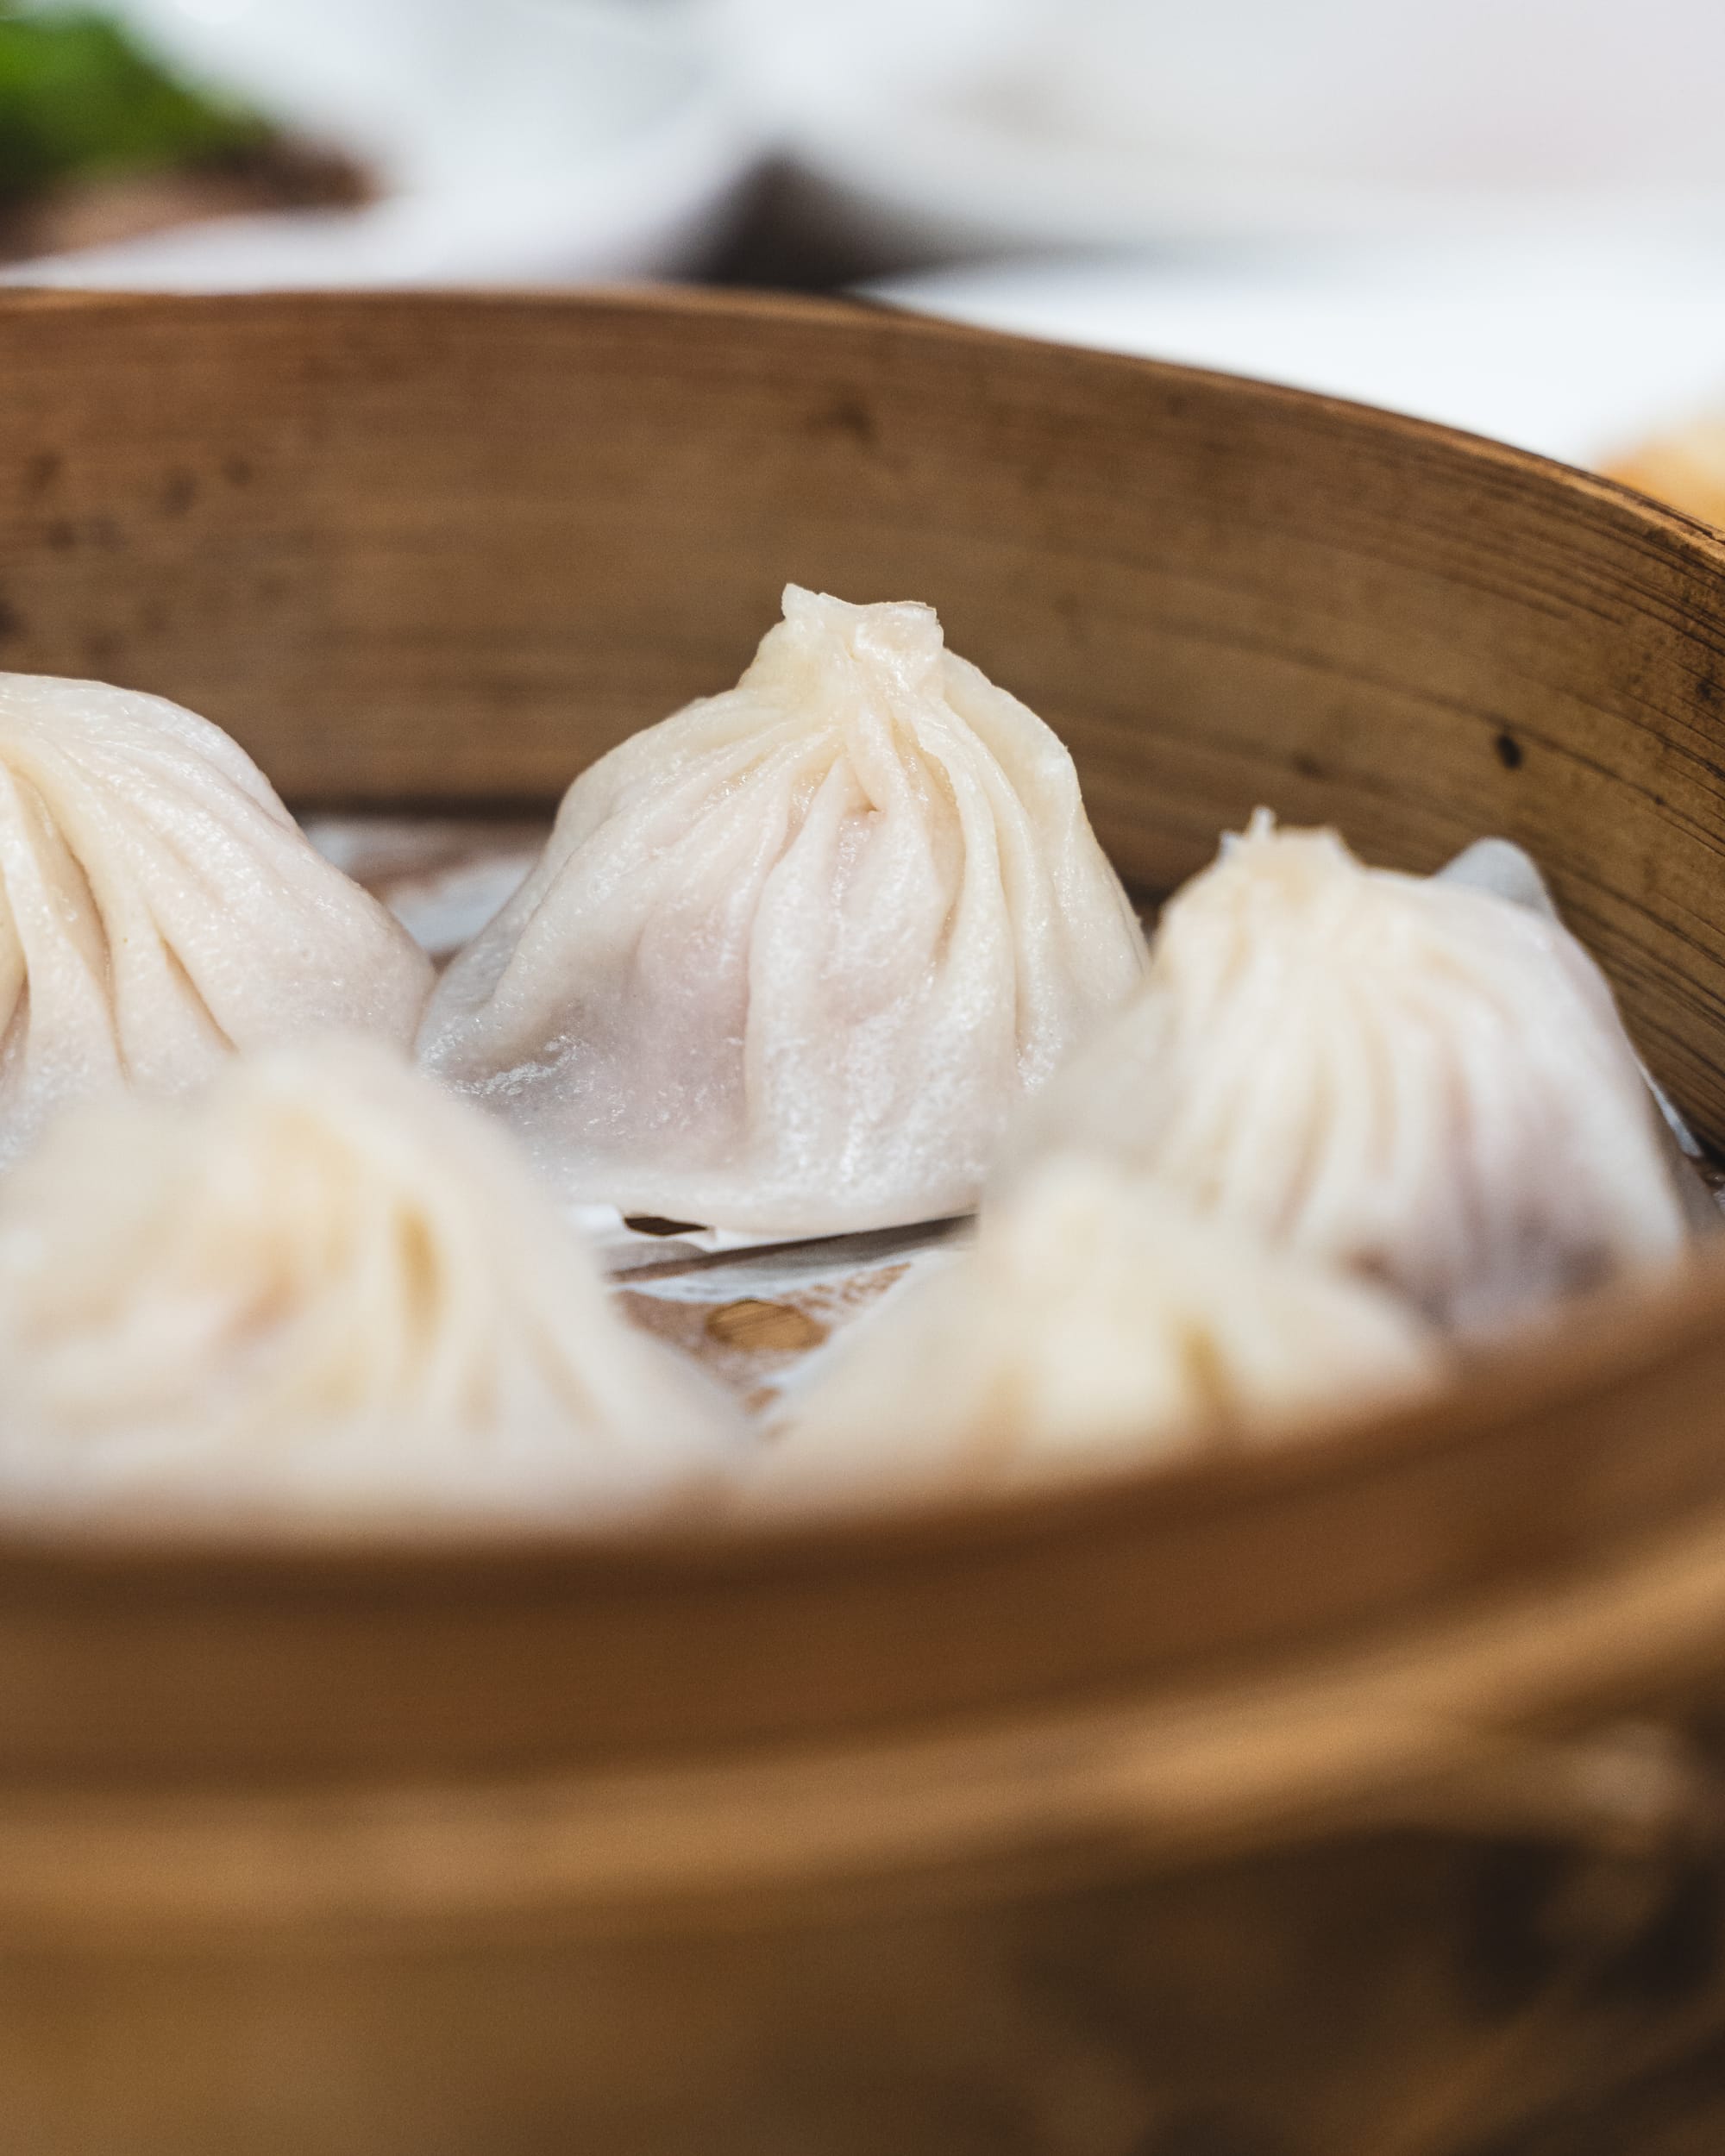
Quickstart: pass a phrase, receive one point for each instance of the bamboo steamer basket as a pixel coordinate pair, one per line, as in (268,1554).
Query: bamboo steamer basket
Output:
(1352,1798)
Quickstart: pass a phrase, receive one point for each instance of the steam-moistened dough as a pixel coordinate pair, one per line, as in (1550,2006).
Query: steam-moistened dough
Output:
(1407,1076)
(160,908)
(1095,1320)
(321,1286)
(792,958)
(1509,872)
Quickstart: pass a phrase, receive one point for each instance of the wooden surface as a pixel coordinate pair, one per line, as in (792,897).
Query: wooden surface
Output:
(421,546)
(1387,1996)
(884,1836)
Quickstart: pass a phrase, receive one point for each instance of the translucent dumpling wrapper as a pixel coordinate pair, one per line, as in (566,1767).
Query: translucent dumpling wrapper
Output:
(1095,1321)
(160,908)
(793,957)
(321,1288)
(1411,1077)
(1509,871)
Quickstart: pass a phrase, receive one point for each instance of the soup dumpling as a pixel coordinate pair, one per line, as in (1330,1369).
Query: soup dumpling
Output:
(160,908)
(793,957)
(321,1288)
(1408,1076)
(1096,1321)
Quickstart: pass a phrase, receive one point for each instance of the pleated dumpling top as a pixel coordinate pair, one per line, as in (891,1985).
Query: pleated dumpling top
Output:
(792,958)
(1096,1322)
(160,909)
(322,1288)
(1408,1076)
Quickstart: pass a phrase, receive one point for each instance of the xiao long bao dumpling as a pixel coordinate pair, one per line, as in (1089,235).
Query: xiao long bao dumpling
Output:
(1095,1320)
(1407,1076)
(793,957)
(321,1287)
(160,908)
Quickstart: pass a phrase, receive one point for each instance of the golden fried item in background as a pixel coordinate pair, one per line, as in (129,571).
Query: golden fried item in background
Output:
(1685,469)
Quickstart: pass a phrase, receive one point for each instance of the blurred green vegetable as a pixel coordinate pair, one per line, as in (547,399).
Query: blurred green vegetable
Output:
(80,98)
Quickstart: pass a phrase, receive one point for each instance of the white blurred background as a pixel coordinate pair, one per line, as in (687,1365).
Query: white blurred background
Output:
(1505,214)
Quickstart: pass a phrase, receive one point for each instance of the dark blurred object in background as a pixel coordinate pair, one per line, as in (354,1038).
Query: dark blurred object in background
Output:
(100,142)
(522,141)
